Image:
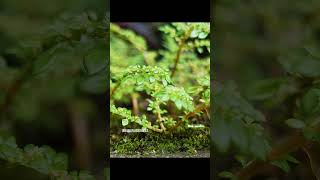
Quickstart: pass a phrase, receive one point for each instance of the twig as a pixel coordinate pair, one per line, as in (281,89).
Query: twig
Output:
(115,89)
(190,114)
(160,121)
(135,104)
(181,46)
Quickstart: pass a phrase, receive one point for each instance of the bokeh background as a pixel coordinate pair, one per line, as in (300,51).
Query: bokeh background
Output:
(51,109)
(249,37)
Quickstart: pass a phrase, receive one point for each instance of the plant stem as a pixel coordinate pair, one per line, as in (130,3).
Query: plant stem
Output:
(200,108)
(115,89)
(135,104)
(160,122)
(181,46)
(155,129)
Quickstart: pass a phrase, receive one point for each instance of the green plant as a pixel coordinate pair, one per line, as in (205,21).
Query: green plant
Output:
(42,159)
(236,123)
(61,66)
(174,75)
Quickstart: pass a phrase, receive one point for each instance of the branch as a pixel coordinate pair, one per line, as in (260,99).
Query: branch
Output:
(155,129)
(115,89)
(181,46)
(135,104)
(160,122)
(190,114)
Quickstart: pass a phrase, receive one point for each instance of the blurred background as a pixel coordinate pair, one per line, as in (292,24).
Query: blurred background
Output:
(51,108)
(249,37)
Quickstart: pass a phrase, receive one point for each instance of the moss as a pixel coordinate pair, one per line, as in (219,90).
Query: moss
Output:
(155,144)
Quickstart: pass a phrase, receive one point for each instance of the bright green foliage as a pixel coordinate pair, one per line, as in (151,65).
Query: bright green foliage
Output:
(146,78)
(172,81)
(136,41)
(126,114)
(195,33)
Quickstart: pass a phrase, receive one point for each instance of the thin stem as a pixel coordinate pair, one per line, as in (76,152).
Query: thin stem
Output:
(160,121)
(200,108)
(207,113)
(135,104)
(115,89)
(155,129)
(181,46)
(159,118)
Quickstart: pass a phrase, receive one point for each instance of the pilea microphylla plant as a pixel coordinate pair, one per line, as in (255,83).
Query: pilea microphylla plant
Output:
(239,124)
(164,90)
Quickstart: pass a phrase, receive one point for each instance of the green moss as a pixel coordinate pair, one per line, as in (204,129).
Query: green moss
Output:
(154,144)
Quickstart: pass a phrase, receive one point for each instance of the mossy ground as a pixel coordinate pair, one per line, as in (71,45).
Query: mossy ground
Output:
(188,143)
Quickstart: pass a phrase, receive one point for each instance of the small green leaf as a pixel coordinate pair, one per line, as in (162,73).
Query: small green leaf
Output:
(194,34)
(125,122)
(295,123)
(164,82)
(292,159)
(60,161)
(226,174)
(152,79)
(179,104)
(202,35)
(282,164)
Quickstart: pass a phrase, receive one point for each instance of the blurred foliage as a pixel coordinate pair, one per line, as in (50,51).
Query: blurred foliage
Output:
(43,159)
(270,49)
(53,77)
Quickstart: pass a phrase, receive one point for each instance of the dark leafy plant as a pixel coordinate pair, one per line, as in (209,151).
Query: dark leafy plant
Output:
(238,124)
(56,67)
